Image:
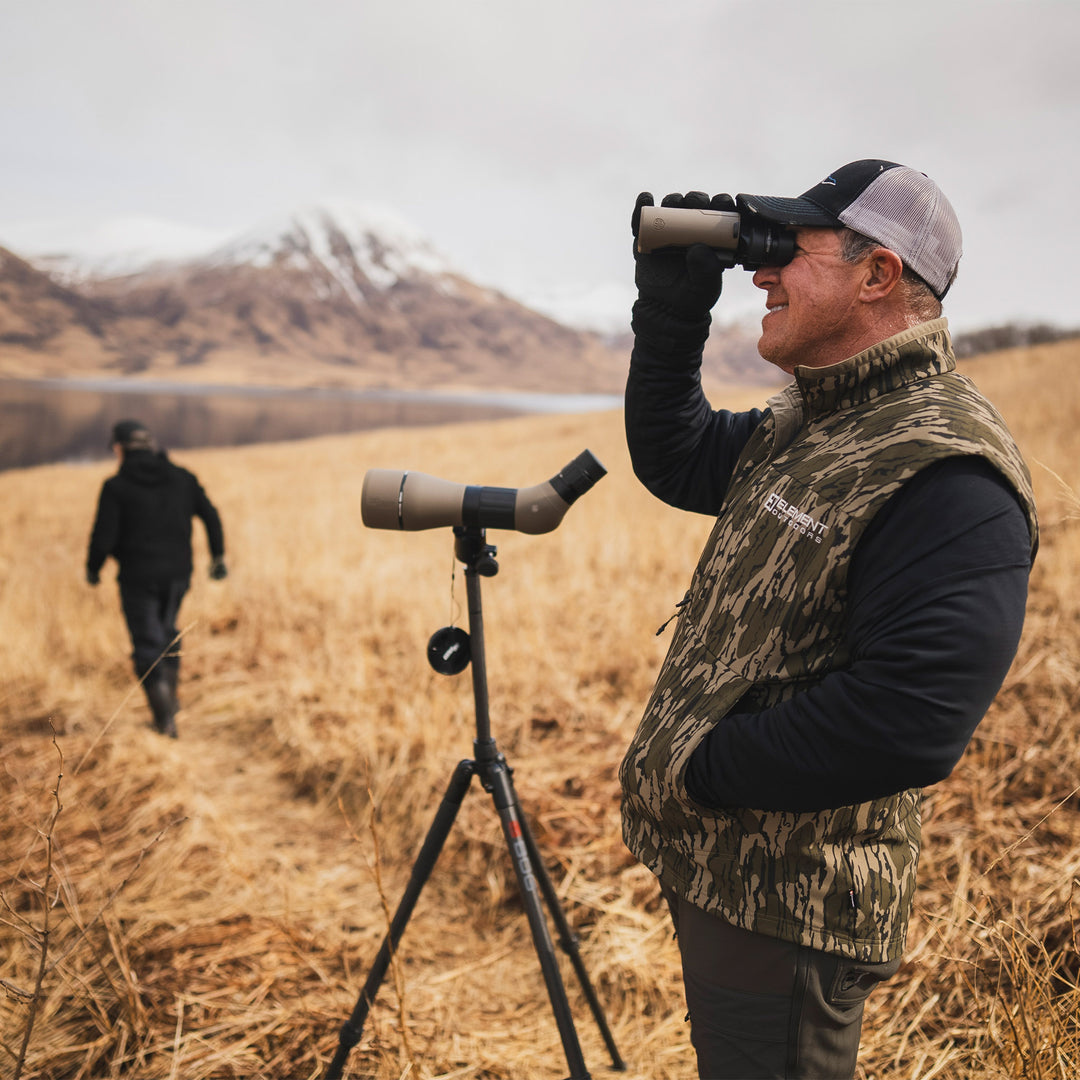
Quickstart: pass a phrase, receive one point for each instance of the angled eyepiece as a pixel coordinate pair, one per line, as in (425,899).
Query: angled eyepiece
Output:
(410,501)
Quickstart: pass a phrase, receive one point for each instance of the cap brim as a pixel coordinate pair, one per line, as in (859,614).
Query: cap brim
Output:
(788,211)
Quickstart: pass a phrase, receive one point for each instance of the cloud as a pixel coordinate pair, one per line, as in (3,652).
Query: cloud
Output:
(518,136)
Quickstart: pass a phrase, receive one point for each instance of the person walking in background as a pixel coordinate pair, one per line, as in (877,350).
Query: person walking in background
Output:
(143,521)
(854,612)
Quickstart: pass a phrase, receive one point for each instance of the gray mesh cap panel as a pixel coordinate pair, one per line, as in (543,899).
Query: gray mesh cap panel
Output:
(907,212)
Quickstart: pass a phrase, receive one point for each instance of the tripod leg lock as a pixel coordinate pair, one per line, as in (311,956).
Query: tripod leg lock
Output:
(569,943)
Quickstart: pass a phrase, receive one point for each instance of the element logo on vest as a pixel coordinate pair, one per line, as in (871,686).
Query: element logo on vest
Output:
(795,519)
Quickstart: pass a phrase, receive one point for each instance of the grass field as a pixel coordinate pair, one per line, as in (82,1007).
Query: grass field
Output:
(210,907)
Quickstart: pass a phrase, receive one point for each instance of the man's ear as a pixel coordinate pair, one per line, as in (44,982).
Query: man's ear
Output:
(883,272)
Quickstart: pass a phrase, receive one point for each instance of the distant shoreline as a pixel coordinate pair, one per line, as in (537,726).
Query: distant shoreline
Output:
(514,400)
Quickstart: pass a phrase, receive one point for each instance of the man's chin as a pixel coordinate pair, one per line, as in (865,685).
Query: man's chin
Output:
(772,354)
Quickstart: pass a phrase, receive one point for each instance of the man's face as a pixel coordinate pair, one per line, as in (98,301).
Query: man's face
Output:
(813,312)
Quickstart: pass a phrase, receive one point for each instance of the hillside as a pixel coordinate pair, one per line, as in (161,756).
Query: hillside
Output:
(209,908)
(325,297)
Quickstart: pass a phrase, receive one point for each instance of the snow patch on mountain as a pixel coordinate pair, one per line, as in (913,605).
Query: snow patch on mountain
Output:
(341,238)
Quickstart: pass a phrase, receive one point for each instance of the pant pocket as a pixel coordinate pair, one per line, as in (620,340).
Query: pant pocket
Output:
(852,982)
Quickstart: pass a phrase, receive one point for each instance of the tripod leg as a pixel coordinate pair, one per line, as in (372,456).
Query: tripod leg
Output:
(496,779)
(421,871)
(568,940)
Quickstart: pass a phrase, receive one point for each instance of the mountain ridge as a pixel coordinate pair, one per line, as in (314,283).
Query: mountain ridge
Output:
(330,295)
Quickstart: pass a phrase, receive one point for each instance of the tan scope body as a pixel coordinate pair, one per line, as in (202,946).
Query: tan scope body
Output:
(392,499)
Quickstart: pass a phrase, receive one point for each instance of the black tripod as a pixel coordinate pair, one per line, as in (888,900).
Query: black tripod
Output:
(495,775)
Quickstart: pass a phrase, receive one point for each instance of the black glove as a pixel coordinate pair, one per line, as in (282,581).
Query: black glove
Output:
(93,577)
(218,569)
(683,283)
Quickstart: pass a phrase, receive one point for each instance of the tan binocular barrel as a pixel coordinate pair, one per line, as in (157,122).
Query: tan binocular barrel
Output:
(672,226)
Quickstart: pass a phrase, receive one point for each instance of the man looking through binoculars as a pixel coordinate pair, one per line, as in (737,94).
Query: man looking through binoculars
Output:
(853,613)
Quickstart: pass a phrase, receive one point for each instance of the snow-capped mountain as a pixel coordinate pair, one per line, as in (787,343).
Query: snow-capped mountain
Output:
(336,294)
(344,238)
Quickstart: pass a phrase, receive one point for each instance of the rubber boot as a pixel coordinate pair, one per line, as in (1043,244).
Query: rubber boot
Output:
(172,678)
(162,703)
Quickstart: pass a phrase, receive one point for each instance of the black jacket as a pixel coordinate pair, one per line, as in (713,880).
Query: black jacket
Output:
(144,520)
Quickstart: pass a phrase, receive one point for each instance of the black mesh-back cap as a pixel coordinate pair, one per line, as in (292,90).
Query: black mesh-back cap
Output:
(900,208)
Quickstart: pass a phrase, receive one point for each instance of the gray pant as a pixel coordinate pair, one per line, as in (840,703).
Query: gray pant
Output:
(763,1009)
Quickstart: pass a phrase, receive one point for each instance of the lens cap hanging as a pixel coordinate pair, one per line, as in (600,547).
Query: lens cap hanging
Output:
(448,650)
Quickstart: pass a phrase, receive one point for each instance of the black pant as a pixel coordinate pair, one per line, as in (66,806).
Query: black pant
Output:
(763,1009)
(150,609)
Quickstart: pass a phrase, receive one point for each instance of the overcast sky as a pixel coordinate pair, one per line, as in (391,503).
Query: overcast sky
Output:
(518,135)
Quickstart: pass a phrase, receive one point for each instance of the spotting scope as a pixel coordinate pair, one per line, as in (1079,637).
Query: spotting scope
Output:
(392,499)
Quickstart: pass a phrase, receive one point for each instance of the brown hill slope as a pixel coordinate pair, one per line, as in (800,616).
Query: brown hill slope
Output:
(342,296)
(39,318)
(289,326)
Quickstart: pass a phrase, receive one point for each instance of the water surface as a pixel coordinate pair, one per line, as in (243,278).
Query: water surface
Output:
(48,420)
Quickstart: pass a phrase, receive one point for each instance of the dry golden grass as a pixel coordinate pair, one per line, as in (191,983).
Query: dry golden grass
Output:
(209,908)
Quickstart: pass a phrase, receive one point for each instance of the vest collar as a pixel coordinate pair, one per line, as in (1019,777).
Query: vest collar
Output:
(915,353)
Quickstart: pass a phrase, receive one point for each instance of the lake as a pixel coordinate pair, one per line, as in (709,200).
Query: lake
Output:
(49,420)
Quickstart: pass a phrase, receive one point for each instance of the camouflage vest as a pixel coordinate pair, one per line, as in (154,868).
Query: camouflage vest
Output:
(763,619)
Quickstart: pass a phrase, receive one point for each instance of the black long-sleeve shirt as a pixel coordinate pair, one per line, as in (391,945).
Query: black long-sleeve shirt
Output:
(937,592)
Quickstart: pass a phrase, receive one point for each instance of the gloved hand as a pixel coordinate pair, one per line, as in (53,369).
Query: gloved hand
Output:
(218,570)
(93,577)
(681,282)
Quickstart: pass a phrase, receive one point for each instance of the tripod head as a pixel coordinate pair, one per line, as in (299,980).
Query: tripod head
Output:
(450,650)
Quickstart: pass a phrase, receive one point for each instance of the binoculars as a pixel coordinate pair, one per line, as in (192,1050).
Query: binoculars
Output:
(751,241)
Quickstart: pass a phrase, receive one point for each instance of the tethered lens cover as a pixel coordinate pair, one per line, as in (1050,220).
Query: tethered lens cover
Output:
(448,650)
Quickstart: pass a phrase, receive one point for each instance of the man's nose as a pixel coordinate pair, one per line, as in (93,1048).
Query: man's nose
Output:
(765,276)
